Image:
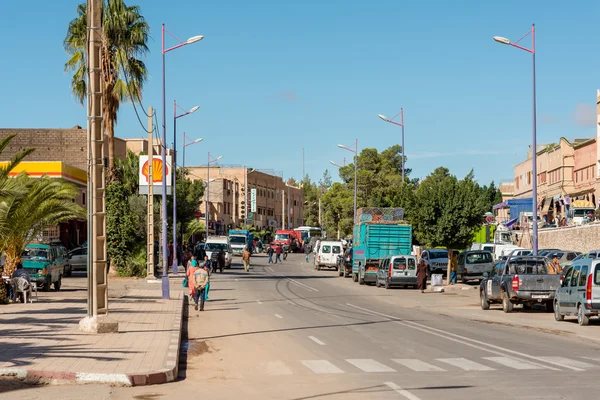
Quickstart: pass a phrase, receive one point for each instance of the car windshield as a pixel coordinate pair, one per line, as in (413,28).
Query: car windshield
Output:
(282,236)
(35,253)
(237,239)
(438,254)
(479,258)
(581,212)
(528,267)
(215,246)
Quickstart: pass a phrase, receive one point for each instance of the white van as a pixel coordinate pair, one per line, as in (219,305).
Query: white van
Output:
(327,254)
(216,243)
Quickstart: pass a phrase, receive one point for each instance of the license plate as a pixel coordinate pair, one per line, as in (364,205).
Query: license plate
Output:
(540,296)
(396,273)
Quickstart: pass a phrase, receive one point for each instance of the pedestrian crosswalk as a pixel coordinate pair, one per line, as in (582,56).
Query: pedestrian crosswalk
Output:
(438,365)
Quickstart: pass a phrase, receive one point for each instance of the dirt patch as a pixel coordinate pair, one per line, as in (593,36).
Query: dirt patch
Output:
(197,348)
(149,396)
(511,325)
(11,383)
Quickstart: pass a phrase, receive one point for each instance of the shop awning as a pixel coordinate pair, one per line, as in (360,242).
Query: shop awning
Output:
(546,205)
(511,223)
(504,204)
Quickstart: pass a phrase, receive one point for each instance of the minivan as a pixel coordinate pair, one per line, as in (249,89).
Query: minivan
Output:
(397,270)
(327,254)
(579,291)
(217,243)
(472,264)
(45,264)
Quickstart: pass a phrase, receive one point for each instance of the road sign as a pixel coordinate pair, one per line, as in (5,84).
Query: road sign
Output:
(253,200)
(250,215)
(156,174)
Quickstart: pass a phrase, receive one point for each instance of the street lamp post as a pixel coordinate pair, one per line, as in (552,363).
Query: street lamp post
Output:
(186,144)
(175,117)
(503,40)
(391,121)
(165,262)
(355,151)
(210,161)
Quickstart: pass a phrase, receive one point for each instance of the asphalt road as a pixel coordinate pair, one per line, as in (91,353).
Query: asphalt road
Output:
(287,331)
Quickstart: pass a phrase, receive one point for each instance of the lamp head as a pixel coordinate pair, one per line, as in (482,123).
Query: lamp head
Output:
(194,39)
(194,109)
(198,140)
(383,117)
(341,146)
(501,40)
(218,158)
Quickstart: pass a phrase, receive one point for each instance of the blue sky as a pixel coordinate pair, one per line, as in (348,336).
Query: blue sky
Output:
(275,76)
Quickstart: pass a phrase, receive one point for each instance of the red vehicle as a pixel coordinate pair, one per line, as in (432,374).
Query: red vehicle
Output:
(288,239)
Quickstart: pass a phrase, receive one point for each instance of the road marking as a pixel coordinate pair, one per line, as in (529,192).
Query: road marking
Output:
(417,365)
(270,269)
(277,368)
(259,302)
(278,316)
(466,365)
(569,363)
(237,280)
(476,344)
(408,395)
(322,367)
(295,282)
(369,365)
(317,341)
(513,363)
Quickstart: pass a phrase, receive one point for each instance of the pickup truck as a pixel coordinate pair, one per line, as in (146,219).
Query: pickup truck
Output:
(519,280)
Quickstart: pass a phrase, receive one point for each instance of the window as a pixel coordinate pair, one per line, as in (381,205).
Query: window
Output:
(529,178)
(571,256)
(83,198)
(575,276)
(528,267)
(567,278)
(412,264)
(479,258)
(337,250)
(596,275)
(399,263)
(326,249)
(583,275)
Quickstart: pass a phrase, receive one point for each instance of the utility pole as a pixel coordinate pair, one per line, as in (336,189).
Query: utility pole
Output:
(320,223)
(150,253)
(288,208)
(303,164)
(283,209)
(96,320)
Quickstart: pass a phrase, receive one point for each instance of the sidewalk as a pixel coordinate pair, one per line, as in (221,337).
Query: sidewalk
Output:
(42,341)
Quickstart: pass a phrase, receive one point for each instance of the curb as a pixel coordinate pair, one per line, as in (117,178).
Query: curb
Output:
(164,375)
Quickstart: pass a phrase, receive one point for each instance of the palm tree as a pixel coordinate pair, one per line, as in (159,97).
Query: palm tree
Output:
(124,37)
(45,202)
(7,187)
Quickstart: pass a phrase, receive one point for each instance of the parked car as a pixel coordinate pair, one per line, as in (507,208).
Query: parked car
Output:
(45,264)
(473,264)
(519,280)
(327,254)
(436,260)
(397,270)
(77,259)
(217,243)
(563,255)
(579,292)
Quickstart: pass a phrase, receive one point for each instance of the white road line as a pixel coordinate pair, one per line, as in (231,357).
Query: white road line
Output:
(259,302)
(321,367)
(276,368)
(317,341)
(270,269)
(278,316)
(513,363)
(417,365)
(369,365)
(465,365)
(408,395)
(569,363)
(295,282)
(476,344)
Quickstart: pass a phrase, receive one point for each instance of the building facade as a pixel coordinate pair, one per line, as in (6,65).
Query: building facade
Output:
(276,204)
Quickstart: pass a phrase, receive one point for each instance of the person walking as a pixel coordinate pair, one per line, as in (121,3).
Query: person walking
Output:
(200,280)
(246,259)
(307,251)
(453,268)
(270,254)
(278,251)
(422,276)
(190,275)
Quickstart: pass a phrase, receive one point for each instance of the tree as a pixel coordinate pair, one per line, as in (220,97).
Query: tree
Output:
(44,203)
(447,211)
(189,200)
(124,41)
(7,187)
(325,182)
(311,202)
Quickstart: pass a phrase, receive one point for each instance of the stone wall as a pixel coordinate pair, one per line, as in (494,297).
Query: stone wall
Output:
(582,238)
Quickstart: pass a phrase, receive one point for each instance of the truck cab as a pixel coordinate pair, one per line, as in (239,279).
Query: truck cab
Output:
(287,239)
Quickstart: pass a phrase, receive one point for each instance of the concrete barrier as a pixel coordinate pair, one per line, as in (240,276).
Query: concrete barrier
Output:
(581,238)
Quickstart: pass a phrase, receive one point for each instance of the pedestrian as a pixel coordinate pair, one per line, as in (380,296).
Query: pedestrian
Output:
(190,275)
(307,251)
(246,259)
(200,280)
(422,276)
(278,251)
(170,252)
(453,268)
(207,263)
(555,267)
(270,254)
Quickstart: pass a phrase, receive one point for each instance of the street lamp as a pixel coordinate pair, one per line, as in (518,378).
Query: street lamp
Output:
(175,117)
(503,40)
(355,151)
(391,121)
(210,161)
(186,144)
(165,279)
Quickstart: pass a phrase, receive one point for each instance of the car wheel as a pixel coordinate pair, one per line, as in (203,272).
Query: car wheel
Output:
(485,304)
(507,306)
(361,281)
(46,287)
(377,283)
(582,319)
(387,284)
(354,277)
(68,270)
(58,283)
(557,315)
(549,306)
